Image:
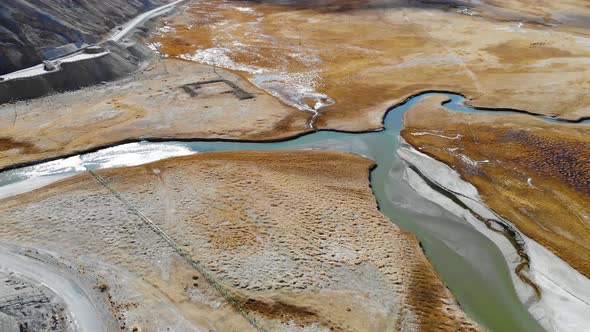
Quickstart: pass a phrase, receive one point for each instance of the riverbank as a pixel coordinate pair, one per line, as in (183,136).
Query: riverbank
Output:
(181,100)
(287,271)
(489,297)
(351,61)
(173,99)
(532,174)
(132,277)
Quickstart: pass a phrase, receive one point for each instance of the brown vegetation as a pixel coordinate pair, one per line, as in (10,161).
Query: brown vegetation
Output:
(152,104)
(295,236)
(369,55)
(533,172)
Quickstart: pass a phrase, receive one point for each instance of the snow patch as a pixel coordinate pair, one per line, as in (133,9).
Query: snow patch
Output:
(245,9)
(217,56)
(467,11)
(295,89)
(131,154)
(518,28)
(457,136)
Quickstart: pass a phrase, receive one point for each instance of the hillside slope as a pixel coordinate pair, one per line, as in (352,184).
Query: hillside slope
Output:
(28,28)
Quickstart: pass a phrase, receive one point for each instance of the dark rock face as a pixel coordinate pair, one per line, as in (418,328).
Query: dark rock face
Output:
(120,61)
(25,306)
(30,27)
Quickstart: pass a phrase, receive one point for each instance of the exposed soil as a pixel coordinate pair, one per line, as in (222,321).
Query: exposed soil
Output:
(151,104)
(296,237)
(29,307)
(133,273)
(533,172)
(369,55)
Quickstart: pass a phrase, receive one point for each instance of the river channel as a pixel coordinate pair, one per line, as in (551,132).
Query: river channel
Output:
(470,264)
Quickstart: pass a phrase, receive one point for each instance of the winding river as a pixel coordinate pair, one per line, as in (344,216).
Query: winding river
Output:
(470,264)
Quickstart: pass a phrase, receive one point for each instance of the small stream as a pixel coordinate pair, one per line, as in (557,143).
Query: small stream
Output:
(470,264)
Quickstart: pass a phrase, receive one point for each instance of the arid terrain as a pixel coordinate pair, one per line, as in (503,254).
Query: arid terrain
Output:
(288,240)
(353,60)
(506,55)
(172,99)
(284,232)
(31,30)
(533,172)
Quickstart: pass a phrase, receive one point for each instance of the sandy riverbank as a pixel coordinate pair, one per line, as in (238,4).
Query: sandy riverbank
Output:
(554,293)
(274,227)
(161,102)
(532,172)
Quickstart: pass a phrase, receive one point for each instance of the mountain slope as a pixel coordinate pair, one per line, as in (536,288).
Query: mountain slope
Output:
(30,27)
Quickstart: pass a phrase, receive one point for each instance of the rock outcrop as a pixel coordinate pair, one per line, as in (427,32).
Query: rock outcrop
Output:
(114,62)
(30,28)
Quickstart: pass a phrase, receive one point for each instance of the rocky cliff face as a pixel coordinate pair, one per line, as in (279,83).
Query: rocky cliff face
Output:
(28,28)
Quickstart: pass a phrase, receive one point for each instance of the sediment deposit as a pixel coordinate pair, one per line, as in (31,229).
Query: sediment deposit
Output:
(135,279)
(532,172)
(555,294)
(353,60)
(295,237)
(171,99)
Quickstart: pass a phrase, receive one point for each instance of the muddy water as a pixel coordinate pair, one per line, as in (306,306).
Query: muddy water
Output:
(470,264)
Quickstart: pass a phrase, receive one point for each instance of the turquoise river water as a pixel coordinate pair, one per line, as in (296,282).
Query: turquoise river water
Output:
(470,264)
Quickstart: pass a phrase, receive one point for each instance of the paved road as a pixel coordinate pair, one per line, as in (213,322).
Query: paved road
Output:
(82,311)
(77,56)
(141,18)
(39,69)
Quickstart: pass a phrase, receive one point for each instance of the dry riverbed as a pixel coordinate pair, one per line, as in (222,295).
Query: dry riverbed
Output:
(295,237)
